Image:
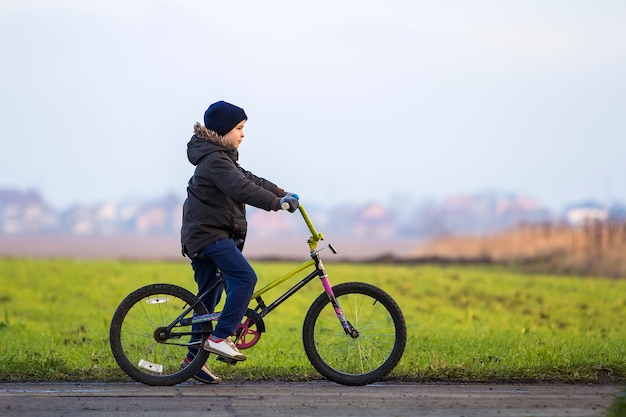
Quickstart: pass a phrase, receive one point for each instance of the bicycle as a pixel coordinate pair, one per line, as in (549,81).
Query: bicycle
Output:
(353,333)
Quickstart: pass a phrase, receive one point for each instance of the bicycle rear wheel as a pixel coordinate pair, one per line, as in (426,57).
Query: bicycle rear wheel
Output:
(372,352)
(147,340)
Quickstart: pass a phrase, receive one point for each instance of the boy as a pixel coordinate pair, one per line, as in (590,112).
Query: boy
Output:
(214,222)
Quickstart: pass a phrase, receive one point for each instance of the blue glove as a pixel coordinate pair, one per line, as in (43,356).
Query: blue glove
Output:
(289,202)
(294,195)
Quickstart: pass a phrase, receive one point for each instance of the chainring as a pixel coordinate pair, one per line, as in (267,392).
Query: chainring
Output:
(248,333)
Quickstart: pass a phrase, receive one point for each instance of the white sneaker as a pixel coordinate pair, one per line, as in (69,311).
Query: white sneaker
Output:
(204,374)
(225,347)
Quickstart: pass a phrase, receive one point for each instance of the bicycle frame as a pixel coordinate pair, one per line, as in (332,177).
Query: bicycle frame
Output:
(261,308)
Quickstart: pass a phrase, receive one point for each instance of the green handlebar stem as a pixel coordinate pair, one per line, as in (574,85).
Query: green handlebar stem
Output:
(315,236)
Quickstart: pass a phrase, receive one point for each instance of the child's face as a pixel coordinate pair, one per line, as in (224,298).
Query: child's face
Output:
(235,136)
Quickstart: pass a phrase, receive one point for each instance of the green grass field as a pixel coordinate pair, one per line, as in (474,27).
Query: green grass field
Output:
(465,323)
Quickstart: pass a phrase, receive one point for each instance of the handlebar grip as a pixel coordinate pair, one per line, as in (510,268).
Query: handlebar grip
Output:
(285,206)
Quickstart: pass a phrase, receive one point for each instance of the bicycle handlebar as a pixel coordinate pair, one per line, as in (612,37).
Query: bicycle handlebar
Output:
(315,236)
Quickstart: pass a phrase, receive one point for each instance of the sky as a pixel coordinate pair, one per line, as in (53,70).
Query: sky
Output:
(348,101)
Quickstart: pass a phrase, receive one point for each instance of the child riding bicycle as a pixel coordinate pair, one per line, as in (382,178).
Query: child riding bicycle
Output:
(214,223)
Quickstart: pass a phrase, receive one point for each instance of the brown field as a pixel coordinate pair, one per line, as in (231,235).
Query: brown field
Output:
(168,247)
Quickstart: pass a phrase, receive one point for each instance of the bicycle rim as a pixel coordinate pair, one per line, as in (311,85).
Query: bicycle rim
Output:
(142,344)
(370,356)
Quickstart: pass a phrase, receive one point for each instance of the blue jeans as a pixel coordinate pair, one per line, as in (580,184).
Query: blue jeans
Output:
(240,281)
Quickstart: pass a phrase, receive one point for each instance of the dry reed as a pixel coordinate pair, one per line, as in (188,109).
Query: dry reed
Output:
(595,248)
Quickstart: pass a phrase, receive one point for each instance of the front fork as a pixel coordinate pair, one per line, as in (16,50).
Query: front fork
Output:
(347,326)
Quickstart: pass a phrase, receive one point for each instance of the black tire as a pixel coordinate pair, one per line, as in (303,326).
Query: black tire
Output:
(148,356)
(359,360)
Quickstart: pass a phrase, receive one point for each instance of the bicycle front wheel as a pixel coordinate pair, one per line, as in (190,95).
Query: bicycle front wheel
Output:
(149,338)
(368,354)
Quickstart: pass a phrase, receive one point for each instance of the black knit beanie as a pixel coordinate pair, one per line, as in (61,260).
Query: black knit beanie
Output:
(222,117)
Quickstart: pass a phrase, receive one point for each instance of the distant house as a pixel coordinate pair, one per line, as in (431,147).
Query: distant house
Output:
(25,213)
(585,213)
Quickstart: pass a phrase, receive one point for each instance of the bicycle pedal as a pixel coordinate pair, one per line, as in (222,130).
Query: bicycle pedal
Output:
(227,360)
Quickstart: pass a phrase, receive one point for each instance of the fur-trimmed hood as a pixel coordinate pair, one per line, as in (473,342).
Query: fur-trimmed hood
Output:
(204,133)
(204,142)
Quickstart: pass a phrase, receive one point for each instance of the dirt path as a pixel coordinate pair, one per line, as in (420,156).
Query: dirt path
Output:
(304,399)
